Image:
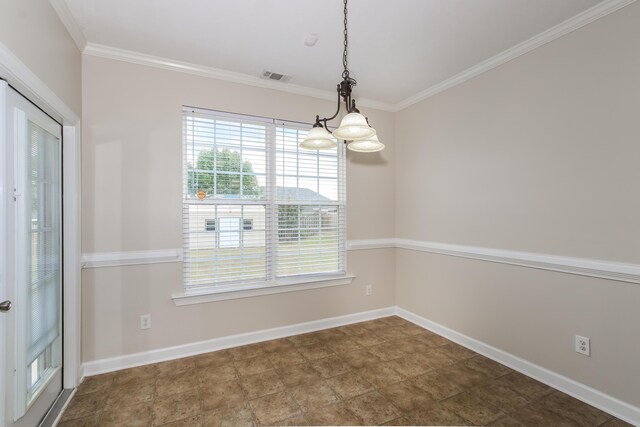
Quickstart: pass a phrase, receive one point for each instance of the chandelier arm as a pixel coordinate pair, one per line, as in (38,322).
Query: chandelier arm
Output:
(328,119)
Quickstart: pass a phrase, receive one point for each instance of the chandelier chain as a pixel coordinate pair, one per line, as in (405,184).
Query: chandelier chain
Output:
(345,73)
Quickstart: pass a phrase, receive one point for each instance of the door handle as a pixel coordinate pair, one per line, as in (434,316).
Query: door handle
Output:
(5,306)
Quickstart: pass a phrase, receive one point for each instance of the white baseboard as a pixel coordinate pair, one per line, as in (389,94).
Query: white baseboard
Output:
(593,397)
(160,355)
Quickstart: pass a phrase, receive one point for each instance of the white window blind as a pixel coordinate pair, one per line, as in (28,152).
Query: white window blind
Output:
(256,207)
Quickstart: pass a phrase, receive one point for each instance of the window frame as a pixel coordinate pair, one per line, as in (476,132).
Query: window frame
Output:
(273,283)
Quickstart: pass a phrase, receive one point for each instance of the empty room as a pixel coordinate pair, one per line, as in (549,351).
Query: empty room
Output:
(319,212)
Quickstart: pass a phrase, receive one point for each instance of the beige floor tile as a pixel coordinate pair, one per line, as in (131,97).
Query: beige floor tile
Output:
(274,407)
(349,385)
(487,366)
(528,387)
(315,351)
(368,339)
(330,366)
(464,376)
(86,421)
(226,417)
(131,392)
(138,374)
(498,395)
(276,345)
(175,407)
(225,394)
(436,358)
(381,375)
(458,352)
(334,415)
(409,366)
(297,375)
(96,383)
(261,384)
(387,371)
(411,345)
(173,367)
(386,351)
(402,421)
(252,366)
(360,358)
(134,415)
(472,408)
(286,357)
(177,383)
(573,409)
(392,333)
(214,358)
(329,335)
(193,421)
(373,408)
(247,351)
(344,345)
(355,329)
(537,415)
(314,396)
(437,385)
(304,339)
(298,420)
(407,397)
(216,373)
(84,405)
(436,415)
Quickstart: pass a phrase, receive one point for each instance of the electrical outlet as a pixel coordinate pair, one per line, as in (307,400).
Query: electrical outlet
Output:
(368,290)
(145,321)
(583,345)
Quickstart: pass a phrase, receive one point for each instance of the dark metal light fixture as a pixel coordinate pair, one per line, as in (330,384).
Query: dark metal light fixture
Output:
(354,128)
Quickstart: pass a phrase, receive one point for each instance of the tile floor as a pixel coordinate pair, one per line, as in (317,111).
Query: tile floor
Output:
(386,371)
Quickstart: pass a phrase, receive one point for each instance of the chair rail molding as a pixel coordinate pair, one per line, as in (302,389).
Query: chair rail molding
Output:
(114,259)
(612,270)
(622,272)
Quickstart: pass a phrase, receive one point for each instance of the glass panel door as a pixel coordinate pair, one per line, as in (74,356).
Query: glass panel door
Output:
(40,229)
(32,224)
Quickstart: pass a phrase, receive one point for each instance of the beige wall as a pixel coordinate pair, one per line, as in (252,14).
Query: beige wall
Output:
(540,154)
(32,30)
(132,174)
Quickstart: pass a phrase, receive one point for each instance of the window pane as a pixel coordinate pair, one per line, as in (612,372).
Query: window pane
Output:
(309,239)
(224,159)
(226,252)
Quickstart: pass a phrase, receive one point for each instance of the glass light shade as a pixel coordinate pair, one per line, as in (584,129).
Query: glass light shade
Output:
(354,126)
(366,145)
(318,139)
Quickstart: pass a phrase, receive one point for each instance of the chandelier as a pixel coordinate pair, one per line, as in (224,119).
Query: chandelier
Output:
(354,128)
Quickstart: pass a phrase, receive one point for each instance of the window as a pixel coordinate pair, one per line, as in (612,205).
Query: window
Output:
(271,210)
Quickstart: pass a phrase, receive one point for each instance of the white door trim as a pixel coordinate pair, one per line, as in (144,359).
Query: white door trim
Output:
(18,75)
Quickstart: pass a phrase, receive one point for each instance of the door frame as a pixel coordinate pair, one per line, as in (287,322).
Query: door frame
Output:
(18,75)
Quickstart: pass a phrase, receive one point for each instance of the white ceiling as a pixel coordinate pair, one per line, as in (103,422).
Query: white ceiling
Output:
(397,48)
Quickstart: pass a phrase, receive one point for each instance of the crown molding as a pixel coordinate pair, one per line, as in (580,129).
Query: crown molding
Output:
(580,20)
(70,23)
(109,52)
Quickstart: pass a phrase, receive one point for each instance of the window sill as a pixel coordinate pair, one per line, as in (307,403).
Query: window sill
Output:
(298,284)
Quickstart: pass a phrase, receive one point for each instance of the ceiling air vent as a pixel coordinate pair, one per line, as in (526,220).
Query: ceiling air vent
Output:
(270,75)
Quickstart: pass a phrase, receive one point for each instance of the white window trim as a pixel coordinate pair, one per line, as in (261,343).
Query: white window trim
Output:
(222,293)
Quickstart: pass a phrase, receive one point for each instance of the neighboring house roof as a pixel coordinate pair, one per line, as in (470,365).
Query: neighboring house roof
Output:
(295,193)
